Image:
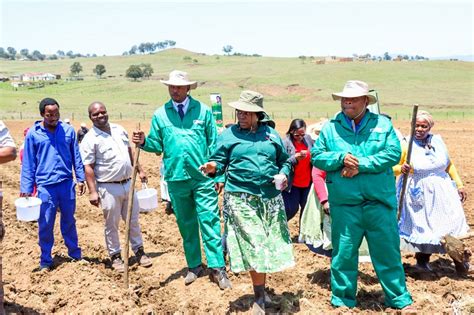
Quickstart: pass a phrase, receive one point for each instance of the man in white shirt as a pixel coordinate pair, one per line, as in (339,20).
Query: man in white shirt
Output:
(107,158)
(7,154)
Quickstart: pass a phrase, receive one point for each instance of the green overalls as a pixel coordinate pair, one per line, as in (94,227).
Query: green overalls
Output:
(364,205)
(186,145)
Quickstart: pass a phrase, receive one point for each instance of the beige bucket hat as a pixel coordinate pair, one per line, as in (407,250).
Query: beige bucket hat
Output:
(355,88)
(179,78)
(249,101)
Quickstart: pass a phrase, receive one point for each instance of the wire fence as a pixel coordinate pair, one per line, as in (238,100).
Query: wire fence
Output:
(144,116)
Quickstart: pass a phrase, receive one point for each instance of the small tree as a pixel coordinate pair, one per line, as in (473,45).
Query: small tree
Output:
(24,52)
(227,49)
(134,72)
(76,68)
(99,70)
(302,58)
(147,70)
(12,52)
(36,55)
(60,54)
(386,56)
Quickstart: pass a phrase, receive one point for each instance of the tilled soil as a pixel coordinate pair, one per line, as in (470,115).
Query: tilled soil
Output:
(92,287)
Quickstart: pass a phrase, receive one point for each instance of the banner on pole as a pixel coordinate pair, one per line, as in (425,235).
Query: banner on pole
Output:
(216,105)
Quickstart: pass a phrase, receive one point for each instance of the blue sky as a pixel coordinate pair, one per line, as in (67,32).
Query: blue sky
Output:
(270,28)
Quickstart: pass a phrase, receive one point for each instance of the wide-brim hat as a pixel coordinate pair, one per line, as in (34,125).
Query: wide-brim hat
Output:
(249,101)
(314,129)
(179,78)
(355,88)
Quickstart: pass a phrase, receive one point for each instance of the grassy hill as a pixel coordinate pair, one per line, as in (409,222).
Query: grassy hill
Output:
(291,88)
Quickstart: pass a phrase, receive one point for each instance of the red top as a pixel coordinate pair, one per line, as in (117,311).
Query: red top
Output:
(319,178)
(302,177)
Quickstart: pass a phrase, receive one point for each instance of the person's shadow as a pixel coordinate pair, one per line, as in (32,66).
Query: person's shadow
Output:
(441,267)
(287,302)
(322,277)
(178,274)
(13,308)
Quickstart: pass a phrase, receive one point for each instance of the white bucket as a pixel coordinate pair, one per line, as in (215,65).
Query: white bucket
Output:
(147,198)
(28,208)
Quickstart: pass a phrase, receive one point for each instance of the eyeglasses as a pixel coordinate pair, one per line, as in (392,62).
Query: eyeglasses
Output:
(298,135)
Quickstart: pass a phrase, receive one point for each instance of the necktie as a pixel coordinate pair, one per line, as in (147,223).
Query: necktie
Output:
(180,111)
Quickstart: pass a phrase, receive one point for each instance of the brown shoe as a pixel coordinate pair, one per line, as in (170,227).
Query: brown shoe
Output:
(142,258)
(117,263)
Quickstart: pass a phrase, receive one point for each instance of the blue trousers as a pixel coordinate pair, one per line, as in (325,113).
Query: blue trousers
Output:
(294,200)
(60,196)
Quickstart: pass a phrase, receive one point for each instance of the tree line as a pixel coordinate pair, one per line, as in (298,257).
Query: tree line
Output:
(149,47)
(35,55)
(134,72)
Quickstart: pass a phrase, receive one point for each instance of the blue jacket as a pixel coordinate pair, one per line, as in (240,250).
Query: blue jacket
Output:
(49,158)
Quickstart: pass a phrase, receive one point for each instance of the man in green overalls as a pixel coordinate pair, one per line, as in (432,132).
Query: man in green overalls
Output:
(184,130)
(357,149)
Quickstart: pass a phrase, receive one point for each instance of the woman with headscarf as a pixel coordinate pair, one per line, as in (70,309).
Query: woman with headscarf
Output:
(432,206)
(298,145)
(251,154)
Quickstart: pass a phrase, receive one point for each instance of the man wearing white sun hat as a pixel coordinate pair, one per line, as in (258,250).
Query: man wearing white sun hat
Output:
(185,132)
(357,149)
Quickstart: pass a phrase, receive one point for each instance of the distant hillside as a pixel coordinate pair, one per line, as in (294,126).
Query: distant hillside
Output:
(293,87)
(458,57)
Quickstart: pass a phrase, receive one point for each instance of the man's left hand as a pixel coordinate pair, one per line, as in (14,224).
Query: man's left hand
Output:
(81,188)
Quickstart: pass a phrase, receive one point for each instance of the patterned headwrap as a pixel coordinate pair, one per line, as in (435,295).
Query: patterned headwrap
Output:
(422,114)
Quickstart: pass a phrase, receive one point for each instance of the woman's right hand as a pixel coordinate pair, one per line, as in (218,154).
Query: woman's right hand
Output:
(406,168)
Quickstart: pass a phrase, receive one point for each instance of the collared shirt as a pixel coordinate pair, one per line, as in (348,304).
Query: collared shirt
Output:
(6,139)
(355,127)
(185,104)
(50,157)
(108,153)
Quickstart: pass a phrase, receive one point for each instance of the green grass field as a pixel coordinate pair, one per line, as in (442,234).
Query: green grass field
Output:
(291,88)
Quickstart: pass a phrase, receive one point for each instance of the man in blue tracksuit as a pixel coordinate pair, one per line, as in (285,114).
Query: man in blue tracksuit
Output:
(51,153)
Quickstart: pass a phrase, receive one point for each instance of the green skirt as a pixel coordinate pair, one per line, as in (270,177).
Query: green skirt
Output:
(258,238)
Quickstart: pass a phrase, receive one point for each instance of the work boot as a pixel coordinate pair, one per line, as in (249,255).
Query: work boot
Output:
(422,261)
(117,263)
(142,258)
(258,307)
(219,276)
(168,208)
(193,274)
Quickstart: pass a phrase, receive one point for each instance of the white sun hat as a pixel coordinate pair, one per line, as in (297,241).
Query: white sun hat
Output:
(355,88)
(179,78)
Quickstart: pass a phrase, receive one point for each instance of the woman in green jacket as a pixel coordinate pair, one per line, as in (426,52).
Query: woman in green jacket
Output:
(250,154)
